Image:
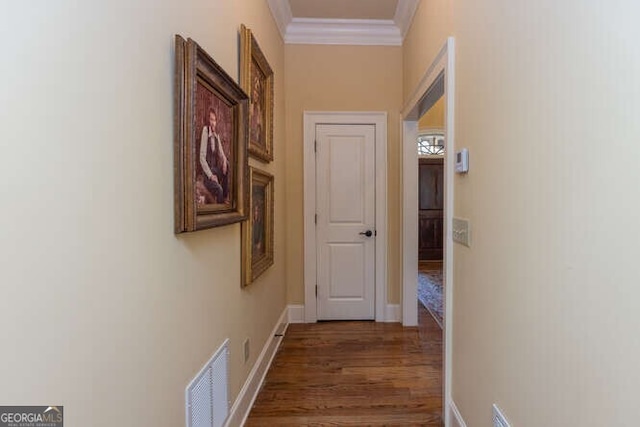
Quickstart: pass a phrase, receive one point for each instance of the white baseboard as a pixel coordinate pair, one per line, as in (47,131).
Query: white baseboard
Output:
(392,313)
(455,416)
(296,313)
(243,403)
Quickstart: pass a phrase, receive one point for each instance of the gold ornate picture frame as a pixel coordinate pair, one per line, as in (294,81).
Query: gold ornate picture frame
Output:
(256,78)
(257,231)
(210,144)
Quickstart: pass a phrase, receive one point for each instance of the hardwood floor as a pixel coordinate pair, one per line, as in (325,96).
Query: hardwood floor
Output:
(429,265)
(354,374)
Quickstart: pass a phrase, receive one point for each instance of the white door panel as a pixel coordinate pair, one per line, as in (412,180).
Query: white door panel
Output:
(346,280)
(346,180)
(346,207)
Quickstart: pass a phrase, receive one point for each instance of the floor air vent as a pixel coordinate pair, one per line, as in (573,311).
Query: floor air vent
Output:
(207,395)
(499,420)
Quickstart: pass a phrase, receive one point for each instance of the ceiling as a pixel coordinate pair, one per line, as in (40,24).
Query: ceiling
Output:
(344,9)
(359,22)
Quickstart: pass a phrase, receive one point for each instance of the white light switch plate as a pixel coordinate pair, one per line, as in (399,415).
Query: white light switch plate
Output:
(461,231)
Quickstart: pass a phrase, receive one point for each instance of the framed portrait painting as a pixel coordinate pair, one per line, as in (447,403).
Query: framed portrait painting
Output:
(256,79)
(257,231)
(210,148)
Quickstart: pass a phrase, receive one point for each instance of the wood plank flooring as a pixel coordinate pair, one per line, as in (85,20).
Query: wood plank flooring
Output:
(354,374)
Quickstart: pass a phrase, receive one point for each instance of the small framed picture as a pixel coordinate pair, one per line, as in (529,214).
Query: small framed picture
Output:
(256,79)
(257,231)
(210,148)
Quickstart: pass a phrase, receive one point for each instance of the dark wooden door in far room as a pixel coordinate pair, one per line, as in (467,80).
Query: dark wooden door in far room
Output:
(430,203)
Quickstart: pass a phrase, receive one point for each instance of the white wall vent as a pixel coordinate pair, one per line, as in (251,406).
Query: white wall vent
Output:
(499,420)
(207,396)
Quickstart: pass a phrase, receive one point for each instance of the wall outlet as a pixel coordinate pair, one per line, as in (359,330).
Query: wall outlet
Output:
(247,352)
(499,420)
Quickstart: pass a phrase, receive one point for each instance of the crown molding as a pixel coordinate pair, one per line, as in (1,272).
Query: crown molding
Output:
(405,11)
(281,11)
(343,31)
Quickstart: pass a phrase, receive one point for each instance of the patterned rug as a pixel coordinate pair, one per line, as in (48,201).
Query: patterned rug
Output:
(430,293)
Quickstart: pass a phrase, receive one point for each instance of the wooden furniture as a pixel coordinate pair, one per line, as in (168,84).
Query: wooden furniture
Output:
(430,204)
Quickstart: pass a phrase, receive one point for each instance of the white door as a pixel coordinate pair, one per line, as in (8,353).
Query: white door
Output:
(345,193)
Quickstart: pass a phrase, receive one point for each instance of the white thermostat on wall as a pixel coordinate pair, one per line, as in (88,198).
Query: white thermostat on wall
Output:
(462,161)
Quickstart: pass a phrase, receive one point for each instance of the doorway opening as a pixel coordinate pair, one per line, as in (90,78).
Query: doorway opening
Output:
(431,149)
(437,82)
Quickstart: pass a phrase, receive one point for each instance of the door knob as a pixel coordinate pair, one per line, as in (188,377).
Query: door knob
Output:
(367,233)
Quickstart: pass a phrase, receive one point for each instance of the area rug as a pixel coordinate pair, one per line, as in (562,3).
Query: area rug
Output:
(430,293)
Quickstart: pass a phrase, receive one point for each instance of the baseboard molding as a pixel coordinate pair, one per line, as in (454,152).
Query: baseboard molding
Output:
(392,313)
(243,403)
(296,313)
(455,416)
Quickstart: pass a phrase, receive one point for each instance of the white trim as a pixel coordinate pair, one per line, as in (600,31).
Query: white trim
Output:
(393,313)
(281,12)
(244,401)
(311,119)
(405,11)
(450,80)
(296,313)
(437,66)
(410,225)
(443,63)
(455,415)
(380,32)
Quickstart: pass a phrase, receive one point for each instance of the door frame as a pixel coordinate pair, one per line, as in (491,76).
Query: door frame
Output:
(379,120)
(441,71)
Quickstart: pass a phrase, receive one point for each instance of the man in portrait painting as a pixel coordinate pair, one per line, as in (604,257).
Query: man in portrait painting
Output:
(257,110)
(214,163)
(258,222)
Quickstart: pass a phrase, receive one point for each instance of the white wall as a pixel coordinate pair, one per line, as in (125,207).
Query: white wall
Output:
(103,309)
(545,300)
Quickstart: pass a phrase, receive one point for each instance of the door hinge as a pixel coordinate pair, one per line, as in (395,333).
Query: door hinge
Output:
(316,291)
(315,219)
(315,146)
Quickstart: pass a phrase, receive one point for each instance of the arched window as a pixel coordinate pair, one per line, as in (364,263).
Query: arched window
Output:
(431,143)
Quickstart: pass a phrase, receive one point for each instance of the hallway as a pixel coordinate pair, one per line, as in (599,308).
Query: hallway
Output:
(354,373)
